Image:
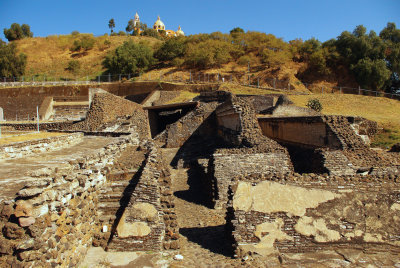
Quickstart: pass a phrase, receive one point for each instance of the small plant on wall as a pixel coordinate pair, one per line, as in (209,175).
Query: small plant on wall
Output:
(314,104)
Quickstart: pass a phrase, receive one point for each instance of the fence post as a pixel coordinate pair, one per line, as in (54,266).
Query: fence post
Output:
(340,90)
(37,115)
(359,90)
(258,82)
(190,76)
(129,76)
(288,86)
(274,82)
(119,78)
(109,78)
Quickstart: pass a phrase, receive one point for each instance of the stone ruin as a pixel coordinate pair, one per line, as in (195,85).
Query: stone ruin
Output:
(292,184)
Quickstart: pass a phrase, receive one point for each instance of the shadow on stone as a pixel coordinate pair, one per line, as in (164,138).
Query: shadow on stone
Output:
(213,238)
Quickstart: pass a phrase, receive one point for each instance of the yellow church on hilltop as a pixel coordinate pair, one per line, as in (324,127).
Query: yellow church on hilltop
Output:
(160,26)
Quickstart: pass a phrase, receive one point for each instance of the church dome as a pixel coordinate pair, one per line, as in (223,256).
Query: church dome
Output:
(158,25)
(180,32)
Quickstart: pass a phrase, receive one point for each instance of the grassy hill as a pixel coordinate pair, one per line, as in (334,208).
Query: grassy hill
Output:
(50,55)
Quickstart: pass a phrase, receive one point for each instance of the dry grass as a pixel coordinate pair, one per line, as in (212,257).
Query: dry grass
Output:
(237,89)
(9,138)
(184,96)
(50,55)
(382,110)
(81,103)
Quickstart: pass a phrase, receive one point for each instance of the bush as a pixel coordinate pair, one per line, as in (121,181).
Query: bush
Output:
(178,62)
(129,58)
(84,44)
(75,33)
(171,49)
(209,53)
(315,105)
(74,66)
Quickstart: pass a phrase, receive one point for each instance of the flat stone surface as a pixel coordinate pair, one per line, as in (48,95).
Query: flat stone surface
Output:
(97,257)
(14,172)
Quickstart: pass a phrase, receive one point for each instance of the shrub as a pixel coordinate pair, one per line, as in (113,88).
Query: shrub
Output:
(75,33)
(315,105)
(171,49)
(178,62)
(129,58)
(84,44)
(209,53)
(74,66)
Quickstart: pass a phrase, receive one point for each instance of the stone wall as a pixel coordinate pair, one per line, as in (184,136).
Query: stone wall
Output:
(148,222)
(107,108)
(53,219)
(33,126)
(226,165)
(270,215)
(310,131)
(28,148)
(190,125)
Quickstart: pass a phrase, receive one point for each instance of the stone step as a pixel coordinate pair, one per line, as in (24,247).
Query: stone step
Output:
(108,205)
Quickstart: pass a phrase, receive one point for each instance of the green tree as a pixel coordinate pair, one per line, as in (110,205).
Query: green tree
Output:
(371,73)
(209,53)
(171,49)
(17,32)
(130,27)
(14,33)
(12,64)
(128,58)
(391,37)
(236,30)
(111,25)
(26,30)
(152,33)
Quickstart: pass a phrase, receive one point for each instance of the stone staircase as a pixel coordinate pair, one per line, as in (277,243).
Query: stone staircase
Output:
(113,199)
(71,108)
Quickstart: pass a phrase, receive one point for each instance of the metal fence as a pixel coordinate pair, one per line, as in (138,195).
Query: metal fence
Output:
(194,77)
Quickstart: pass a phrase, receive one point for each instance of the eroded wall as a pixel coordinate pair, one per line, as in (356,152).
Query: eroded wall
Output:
(309,214)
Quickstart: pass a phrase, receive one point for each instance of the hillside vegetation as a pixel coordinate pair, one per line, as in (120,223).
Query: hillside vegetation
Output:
(50,56)
(352,59)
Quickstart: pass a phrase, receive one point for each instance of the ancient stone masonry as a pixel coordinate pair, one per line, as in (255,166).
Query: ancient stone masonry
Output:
(53,219)
(148,222)
(27,148)
(355,150)
(237,125)
(176,134)
(106,108)
(275,214)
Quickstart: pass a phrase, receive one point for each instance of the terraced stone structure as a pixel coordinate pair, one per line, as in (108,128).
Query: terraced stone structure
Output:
(268,186)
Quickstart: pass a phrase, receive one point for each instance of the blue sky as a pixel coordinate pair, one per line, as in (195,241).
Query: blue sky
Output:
(288,19)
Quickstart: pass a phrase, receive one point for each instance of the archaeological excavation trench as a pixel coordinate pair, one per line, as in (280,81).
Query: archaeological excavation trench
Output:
(223,180)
